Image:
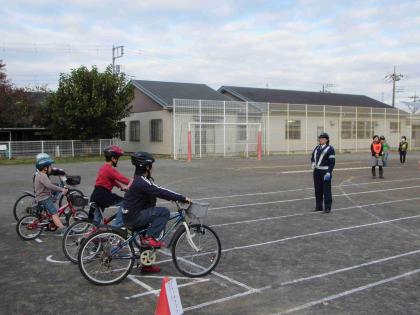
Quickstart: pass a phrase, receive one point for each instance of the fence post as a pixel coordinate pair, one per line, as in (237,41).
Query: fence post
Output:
(199,108)
(224,128)
(189,143)
(306,128)
(246,117)
(268,128)
(72,148)
(174,129)
(42,146)
(259,143)
(10,150)
(100,146)
(357,144)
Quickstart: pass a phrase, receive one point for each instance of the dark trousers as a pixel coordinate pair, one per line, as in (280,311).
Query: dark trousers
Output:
(402,156)
(156,216)
(322,190)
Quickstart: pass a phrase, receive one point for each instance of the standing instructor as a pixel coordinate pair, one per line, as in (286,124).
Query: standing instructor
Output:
(323,161)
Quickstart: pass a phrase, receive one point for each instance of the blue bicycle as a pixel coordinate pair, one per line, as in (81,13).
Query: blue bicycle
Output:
(107,257)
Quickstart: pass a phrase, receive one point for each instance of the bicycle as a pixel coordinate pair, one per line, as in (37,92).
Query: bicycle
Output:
(79,231)
(107,257)
(30,227)
(25,203)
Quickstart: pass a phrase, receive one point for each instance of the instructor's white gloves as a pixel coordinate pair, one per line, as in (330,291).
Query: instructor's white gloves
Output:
(327,177)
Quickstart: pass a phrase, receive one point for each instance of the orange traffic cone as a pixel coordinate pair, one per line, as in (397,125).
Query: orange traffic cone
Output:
(162,307)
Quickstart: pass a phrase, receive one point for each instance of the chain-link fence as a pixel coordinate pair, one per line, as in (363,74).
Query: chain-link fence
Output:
(55,148)
(230,128)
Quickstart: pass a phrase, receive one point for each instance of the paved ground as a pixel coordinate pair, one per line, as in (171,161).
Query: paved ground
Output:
(278,256)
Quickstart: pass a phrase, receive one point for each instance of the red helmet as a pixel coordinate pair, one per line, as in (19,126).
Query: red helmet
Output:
(113,151)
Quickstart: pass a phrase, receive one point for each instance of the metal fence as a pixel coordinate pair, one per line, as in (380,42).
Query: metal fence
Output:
(230,128)
(55,148)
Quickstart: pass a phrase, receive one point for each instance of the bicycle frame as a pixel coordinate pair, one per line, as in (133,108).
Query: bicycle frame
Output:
(179,217)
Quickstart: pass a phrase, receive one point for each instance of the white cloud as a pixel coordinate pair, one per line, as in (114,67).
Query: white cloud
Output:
(299,45)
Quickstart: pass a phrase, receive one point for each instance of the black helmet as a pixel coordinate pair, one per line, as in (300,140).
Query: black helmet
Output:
(142,159)
(324,135)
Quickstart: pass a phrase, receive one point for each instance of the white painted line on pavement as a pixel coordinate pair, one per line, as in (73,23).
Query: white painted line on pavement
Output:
(228,298)
(49,259)
(38,240)
(309,198)
(348,292)
(300,189)
(157,291)
(317,233)
(377,261)
(311,213)
(335,169)
(142,284)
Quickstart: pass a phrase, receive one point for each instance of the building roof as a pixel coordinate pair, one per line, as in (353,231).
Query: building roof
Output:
(248,94)
(163,93)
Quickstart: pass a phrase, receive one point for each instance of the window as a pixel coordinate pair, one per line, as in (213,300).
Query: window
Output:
(394,127)
(364,130)
(135,130)
(242,132)
(156,132)
(293,129)
(121,132)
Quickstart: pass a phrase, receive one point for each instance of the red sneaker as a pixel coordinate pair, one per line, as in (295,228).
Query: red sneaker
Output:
(151,242)
(150,269)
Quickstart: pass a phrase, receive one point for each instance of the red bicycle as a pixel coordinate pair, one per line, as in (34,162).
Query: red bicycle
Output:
(31,226)
(77,232)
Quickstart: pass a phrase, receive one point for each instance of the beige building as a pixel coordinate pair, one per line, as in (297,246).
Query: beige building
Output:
(226,122)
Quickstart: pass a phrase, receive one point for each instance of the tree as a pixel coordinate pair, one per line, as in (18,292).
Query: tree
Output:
(19,107)
(88,104)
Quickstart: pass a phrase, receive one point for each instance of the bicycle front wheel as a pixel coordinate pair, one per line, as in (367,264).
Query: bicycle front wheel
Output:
(29,227)
(105,258)
(199,255)
(23,206)
(74,236)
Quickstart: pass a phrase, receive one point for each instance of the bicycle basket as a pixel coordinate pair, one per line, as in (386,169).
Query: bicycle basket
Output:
(77,200)
(73,180)
(197,210)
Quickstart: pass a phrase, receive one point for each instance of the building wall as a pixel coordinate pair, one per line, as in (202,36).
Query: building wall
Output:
(142,103)
(164,147)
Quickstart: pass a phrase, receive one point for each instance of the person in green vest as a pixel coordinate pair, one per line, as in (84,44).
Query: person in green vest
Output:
(385,148)
(402,149)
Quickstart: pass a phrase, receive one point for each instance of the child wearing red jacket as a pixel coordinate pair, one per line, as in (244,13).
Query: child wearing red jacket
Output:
(108,177)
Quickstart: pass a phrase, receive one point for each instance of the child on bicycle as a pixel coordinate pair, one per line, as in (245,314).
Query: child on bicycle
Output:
(108,177)
(140,203)
(44,189)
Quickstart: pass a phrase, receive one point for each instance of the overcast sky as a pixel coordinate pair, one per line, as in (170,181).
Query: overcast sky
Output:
(295,45)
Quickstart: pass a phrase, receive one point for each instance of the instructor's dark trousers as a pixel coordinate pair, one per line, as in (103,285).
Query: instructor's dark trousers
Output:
(322,190)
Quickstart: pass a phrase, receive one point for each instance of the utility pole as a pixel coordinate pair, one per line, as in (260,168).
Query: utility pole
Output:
(394,77)
(117,52)
(414,97)
(326,86)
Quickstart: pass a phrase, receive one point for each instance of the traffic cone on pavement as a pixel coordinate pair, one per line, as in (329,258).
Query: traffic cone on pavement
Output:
(162,307)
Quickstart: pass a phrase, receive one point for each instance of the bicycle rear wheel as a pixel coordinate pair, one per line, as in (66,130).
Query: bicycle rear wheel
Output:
(29,227)
(23,206)
(75,234)
(196,262)
(105,258)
